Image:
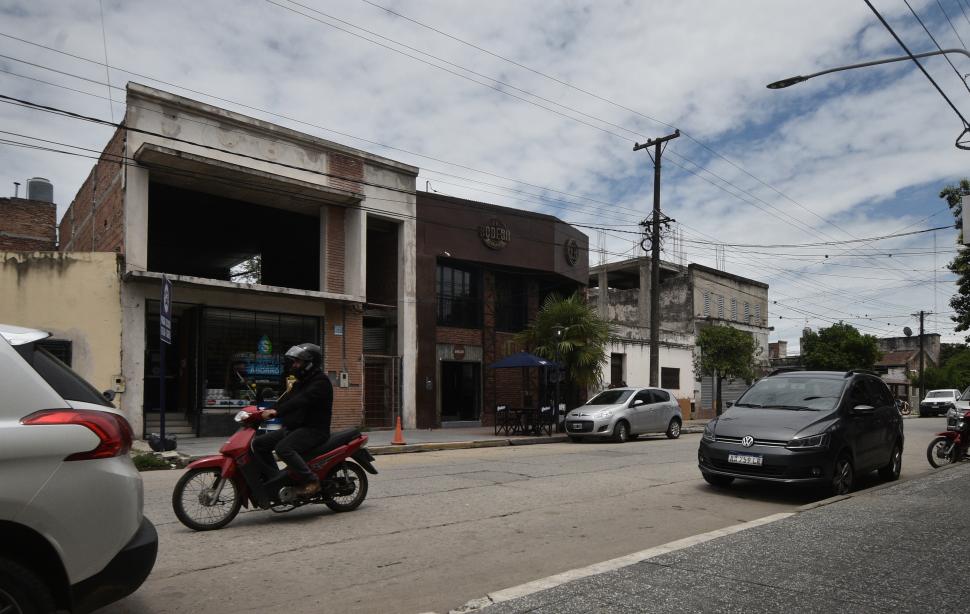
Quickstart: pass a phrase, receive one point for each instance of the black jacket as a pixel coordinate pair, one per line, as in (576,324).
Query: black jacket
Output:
(308,403)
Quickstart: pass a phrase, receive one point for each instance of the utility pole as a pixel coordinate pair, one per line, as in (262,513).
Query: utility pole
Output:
(922,385)
(655,256)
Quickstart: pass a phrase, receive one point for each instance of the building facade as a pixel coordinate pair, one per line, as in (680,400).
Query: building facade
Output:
(27,225)
(482,273)
(266,235)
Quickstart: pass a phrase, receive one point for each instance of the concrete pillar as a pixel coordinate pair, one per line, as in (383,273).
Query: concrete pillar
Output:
(407,320)
(604,297)
(355,254)
(324,263)
(136,219)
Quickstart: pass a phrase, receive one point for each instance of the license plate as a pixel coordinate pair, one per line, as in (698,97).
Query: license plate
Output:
(745,459)
(576,426)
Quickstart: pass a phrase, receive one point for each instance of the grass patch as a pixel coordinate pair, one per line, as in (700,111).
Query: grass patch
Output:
(148,461)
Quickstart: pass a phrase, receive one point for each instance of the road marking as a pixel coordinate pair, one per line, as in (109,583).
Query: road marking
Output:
(624,561)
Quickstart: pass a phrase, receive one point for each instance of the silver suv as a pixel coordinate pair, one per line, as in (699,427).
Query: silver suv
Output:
(72,533)
(623,413)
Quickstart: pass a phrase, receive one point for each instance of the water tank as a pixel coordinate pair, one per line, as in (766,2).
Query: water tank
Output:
(40,189)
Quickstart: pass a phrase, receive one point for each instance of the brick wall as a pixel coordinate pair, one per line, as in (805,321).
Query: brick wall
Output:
(346,172)
(336,246)
(463,336)
(95,219)
(348,349)
(27,225)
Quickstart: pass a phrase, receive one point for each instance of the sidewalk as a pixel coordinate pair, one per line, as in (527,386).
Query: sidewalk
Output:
(415,440)
(893,548)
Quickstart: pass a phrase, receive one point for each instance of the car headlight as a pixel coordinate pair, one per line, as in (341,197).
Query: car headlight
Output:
(805,443)
(709,431)
(602,415)
(241,415)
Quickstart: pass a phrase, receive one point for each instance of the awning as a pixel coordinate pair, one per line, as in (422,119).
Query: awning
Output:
(522,359)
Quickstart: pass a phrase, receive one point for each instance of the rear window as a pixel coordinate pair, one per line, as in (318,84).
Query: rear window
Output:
(610,397)
(65,382)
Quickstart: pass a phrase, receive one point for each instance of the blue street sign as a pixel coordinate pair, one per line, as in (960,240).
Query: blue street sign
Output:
(165,322)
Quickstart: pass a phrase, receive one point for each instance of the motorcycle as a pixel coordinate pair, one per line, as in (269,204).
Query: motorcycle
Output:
(950,446)
(214,488)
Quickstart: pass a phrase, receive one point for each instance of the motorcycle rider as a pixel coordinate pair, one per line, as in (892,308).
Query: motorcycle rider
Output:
(305,411)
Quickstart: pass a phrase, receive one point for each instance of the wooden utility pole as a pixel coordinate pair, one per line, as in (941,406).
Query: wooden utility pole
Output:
(655,256)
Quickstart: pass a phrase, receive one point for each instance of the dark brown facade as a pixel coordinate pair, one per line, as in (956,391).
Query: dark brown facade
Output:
(482,273)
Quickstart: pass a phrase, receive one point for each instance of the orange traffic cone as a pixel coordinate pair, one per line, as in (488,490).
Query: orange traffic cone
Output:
(398,434)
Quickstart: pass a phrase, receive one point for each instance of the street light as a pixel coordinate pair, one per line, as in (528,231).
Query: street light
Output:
(557,332)
(783,83)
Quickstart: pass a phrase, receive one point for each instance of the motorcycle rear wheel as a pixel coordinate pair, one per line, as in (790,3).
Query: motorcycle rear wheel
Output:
(350,483)
(939,445)
(190,507)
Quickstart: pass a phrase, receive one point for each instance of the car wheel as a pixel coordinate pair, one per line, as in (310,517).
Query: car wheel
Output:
(621,432)
(673,429)
(843,476)
(22,591)
(575,439)
(718,480)
(891,471)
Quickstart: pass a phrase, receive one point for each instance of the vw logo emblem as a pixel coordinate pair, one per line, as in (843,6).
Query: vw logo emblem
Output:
(747,441)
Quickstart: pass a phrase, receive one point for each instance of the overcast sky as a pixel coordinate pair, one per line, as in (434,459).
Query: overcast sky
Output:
(537,105)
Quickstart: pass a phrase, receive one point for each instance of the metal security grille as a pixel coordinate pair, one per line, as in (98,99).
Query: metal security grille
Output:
(734,309)
(382,390)
(707,303)
(720,307)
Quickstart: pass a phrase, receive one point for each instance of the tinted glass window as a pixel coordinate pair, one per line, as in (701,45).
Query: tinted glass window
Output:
(820,393)
(65,382)
(659,396)
(610,397)
(644,395)
(858,395)
(879,393)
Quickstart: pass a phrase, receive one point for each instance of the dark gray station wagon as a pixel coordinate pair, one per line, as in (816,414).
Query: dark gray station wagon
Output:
(806,427)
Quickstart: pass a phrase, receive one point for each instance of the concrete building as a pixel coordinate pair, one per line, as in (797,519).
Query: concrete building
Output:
(691,297)
(482,273)
(269,237)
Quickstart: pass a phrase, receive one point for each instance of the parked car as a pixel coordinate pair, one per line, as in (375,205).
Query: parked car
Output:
(806,427)
(961,405)
(938,402)
(72,533)
(624,413)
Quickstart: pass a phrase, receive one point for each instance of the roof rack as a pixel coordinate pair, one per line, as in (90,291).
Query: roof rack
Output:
(785,370)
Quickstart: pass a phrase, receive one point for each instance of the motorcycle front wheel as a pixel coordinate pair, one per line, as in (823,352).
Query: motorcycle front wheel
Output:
(941,452)
(193,500)
(350,487)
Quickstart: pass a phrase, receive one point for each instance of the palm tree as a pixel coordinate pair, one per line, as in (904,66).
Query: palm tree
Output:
(582,347)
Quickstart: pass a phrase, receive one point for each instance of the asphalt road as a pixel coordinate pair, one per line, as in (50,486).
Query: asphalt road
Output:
(441,528)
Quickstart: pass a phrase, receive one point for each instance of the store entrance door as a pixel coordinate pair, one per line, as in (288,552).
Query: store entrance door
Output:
(461,386)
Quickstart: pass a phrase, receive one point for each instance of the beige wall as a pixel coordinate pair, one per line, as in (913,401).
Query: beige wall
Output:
(75,296)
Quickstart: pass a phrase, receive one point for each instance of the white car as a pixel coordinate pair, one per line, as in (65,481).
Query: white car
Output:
(623,413)
(72,533)
(938,402)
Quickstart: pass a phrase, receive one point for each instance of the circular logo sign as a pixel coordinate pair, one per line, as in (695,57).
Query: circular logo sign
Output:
(571,248)
(494,234)
(459,352)
(747,441)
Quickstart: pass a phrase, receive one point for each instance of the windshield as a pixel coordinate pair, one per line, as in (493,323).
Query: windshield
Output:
(966,395)
(939,394)
(815,393)
(610,397)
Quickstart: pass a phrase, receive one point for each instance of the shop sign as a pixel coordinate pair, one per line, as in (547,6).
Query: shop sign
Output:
(459,352)
(571,248)
(494,234)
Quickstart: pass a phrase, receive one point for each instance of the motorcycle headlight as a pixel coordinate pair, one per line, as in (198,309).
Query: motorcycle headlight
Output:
(807,443)
(709,431)
(240,416)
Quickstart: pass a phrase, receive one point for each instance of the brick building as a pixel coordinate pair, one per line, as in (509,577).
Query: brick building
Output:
(265,234)
(27,225)
(482,273)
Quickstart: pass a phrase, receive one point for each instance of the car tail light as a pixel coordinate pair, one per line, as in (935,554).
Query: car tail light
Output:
(113,430)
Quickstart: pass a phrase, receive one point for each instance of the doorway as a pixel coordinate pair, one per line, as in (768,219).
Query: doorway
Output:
(461,386)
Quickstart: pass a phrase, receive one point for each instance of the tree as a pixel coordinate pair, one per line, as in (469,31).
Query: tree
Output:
(725,353)
(960,265)
(953,372)
(839,347)
(583,346)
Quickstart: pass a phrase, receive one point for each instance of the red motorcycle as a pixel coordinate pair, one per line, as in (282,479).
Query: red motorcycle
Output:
(213,488)
(951,445)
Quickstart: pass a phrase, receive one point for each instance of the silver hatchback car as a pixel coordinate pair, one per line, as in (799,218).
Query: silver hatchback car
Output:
(623,413)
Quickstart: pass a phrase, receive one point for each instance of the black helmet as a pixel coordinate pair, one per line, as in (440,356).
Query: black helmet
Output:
(309,353)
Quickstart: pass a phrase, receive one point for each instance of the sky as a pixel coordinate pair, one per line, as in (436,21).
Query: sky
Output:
(538,105)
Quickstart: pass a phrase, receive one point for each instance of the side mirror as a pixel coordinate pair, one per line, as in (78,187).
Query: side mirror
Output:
(638,403)
(729,403)
(109,395)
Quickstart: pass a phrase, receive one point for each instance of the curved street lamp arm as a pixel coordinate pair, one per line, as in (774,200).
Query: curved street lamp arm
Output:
(798,79)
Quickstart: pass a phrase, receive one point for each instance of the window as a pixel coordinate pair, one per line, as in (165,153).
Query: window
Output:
(757,315)
(720,306)
(707,303)
(60,348)
(459,297)
(670,378)
(511,303)
(65,382)
(734,309)
(659,396)
(747,312)
(643,395)
(616,369)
